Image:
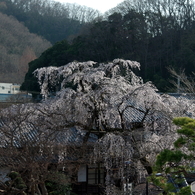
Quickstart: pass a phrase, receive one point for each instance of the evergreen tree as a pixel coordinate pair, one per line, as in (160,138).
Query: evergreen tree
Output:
(176,165)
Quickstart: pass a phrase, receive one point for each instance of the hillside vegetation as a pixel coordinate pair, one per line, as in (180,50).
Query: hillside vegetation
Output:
(17,48)
(28,28)
(156,34)
(52,20)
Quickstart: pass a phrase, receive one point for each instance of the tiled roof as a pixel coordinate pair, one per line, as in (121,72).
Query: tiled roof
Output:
(29,135)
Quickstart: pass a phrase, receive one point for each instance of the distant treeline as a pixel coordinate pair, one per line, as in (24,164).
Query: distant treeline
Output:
(52,20)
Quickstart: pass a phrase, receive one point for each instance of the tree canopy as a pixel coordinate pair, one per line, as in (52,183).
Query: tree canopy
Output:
(129,121)
(109,100)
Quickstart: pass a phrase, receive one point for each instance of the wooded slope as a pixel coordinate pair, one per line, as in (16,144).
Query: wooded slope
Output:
(17,48)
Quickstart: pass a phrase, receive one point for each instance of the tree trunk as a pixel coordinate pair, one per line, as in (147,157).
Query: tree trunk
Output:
(43,188)
(146,165)
(37,189)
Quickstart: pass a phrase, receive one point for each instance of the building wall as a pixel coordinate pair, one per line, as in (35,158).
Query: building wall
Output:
(9,88)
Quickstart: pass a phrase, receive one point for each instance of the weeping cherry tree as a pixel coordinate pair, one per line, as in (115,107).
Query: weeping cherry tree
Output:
(133,122)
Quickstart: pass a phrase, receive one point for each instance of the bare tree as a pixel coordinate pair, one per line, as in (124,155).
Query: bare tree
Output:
(30,148)
(181,82)
(82,13)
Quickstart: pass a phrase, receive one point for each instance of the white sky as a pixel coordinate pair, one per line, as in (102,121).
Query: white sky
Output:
(101,5)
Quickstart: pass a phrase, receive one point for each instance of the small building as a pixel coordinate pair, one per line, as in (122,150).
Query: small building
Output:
(9,88)
(10,92)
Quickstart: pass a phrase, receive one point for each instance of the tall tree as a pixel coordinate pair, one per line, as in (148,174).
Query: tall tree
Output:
(131,120)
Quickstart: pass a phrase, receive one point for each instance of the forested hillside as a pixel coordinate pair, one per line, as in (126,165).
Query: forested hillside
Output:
(17,48)
(158,34)
(52,20)
(49,22)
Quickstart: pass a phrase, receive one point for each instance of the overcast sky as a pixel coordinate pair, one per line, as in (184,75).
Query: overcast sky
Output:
(101,5)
